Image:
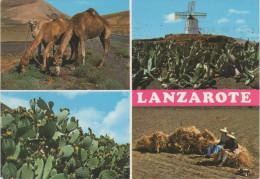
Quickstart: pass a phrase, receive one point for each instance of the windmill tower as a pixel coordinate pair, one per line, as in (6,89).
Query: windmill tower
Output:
(191,26)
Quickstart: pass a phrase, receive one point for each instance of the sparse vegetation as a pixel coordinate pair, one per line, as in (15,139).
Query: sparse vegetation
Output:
(123,52)
(33,79)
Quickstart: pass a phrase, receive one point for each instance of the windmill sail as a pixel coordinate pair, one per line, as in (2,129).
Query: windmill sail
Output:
(191,26)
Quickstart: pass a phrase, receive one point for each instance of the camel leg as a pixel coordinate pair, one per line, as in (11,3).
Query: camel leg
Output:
(105,39)
(39,50)
(45,55)
(72,47)
(74,43)
(83,53)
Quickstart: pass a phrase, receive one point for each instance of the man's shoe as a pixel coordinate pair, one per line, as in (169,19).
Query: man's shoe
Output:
(221,164)
(207,156)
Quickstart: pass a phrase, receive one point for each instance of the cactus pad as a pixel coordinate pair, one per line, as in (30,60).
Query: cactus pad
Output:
(49,130)
(48,167)
(39,169)
(8,146)
(107,174)
(9,170)
(7,119)
(74,136)
(82,172)
(93,163)
(66,150)
(93,147)
(62,116)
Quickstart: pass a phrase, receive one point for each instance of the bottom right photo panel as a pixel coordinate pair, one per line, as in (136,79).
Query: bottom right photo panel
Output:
(195,142)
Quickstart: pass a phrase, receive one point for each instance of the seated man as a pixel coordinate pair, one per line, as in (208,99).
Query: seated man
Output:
(230,147)
(214,148)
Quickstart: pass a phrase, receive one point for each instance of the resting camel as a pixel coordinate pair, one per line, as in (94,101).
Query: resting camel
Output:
(49,34)
(83,26)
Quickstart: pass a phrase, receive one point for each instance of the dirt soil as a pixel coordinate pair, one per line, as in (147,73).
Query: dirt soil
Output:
(244,121)
(116,67)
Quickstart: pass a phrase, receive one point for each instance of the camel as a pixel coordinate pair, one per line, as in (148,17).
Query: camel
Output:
(49,34)
(35,27)
(84,26)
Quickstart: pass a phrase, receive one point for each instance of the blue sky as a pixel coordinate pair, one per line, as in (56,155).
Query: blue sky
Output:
(235,18)
(104,112)
(71,7)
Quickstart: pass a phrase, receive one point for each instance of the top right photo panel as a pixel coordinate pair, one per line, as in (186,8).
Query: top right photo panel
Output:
(184,44)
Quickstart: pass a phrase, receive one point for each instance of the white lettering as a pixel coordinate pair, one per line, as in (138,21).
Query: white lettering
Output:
(140,98)
(233,96)
(181,98)
(168,97)
(224,97)
(245,97)
(154,98)
(195,98)
(208,97)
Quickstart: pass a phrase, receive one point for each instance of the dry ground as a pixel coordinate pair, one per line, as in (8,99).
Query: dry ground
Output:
(146,120)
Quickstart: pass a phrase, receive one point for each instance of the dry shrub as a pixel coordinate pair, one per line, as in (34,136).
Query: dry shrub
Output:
(157,143)
(190,140)
(237,160)
(160,142)
(145,143)
(240,159)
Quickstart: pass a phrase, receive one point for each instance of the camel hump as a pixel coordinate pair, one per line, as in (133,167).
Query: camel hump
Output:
(59,19)
(92,12)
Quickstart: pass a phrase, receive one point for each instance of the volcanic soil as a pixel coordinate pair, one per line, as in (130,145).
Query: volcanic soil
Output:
(147,120)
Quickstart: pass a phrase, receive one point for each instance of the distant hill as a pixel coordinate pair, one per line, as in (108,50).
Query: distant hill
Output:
(37,9)
(3,107)
(119,22)
(16,13)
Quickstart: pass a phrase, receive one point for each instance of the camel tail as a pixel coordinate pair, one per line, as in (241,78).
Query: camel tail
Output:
(92,12)
(65,40)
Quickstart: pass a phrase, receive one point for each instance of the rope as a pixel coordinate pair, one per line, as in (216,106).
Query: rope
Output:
(25,47)
(26,39)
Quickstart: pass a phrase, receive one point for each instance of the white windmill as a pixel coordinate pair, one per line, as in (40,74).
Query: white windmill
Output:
(191,26)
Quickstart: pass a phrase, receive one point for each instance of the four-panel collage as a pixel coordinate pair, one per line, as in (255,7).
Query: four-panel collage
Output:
(129,89)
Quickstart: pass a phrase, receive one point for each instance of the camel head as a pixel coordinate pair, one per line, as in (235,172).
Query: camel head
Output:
(57,62)
(33,24)
(24,61)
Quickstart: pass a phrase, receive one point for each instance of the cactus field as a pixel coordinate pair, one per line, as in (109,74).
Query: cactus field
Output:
(37,143)
(194,64)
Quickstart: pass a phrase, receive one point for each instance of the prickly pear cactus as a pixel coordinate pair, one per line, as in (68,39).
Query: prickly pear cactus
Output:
(36,143)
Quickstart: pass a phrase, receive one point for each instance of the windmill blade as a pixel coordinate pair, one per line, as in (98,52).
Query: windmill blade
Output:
(191,7)
(181,15)
(200,14)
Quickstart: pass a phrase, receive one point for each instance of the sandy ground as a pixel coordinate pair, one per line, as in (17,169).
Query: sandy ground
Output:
(147,120)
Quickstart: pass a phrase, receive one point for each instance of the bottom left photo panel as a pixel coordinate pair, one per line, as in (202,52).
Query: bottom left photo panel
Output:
(65,134)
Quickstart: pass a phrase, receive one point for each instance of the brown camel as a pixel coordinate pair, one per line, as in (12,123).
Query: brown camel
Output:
(49,34)
(35,27)
(83,26)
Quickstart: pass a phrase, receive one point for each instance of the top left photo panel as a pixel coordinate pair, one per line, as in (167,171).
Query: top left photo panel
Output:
(65,45)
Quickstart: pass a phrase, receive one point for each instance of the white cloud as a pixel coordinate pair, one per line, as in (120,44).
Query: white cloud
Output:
(115,123)
(172,18)
(240,21)
(223,20)
(71,94)
(13,102)
(233,11)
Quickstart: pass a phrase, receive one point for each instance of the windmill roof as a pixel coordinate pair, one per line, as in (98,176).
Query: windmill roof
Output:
(192,17)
